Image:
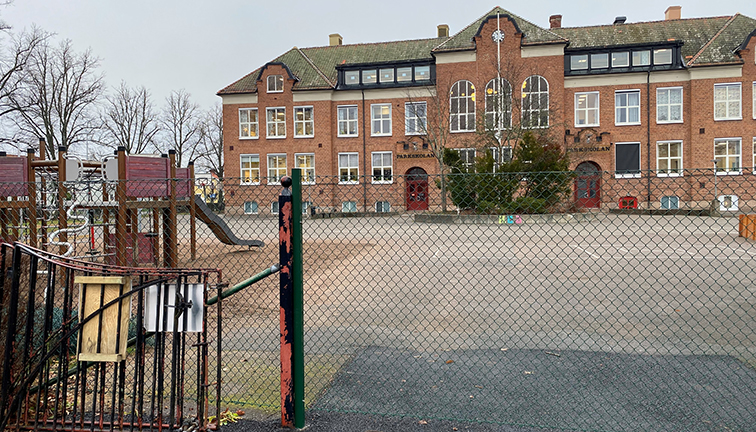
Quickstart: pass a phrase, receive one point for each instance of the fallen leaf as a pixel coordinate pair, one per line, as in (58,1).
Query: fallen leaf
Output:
(504,349)
(449,361)
(422,422)
(528,372)
(480,387)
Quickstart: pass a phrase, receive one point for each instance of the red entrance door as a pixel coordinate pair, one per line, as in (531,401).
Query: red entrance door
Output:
(417,189)
(588,185)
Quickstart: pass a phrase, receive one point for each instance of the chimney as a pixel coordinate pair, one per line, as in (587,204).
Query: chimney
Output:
(620,20)
(555,21)
(673,13)
(443,30)
(335,39)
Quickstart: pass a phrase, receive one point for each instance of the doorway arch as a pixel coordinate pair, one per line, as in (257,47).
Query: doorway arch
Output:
(416,189)
(588,185)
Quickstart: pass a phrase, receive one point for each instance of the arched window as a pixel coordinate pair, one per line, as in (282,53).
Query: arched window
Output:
(498,104)
(535,102)
(462,107)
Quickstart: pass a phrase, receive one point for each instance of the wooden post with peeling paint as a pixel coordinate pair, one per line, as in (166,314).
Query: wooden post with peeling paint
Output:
(286,302)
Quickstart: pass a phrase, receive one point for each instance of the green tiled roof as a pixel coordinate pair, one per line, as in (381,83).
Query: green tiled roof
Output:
(705,40)
(532,33)
(315,68)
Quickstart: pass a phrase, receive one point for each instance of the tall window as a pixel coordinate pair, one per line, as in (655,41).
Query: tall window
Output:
(627,107)
(669,105)
(587,109)
(276,168)
(627,160)
(349,170)
(304,125)
(467,159)
(415,117)
(250,207)
(501,156)
(275,83)
(498,104)
(276,122)
(754,100)
(250,169)
(727,155)
(248,124)
(347,118)
(382,167)
(307,163)
(380,119)
(669,160)
(727,101)
(535,102)
(754,155)
(462,107)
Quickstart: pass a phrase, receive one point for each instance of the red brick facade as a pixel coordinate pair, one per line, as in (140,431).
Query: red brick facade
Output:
(596,144)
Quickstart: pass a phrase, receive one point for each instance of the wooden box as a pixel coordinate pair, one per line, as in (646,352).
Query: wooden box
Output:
(94,292)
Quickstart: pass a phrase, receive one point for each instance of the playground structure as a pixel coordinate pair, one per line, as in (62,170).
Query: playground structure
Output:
(125,206)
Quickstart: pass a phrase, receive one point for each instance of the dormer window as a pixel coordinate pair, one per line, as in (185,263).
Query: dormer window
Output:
(422,73)
(403,74)
(352,77)
(599,61)
(663,56)
(641,58)
(275,83)
(387,76)
(620,59)
(579,62)
(369,77)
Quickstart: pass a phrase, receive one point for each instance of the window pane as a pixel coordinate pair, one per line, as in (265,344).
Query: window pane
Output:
(599,61)
(404,74)
(628,158)
(387,76)
(422,73)
(352,77)
(369,77)
(578,62)
(620,59)
(641,58)
(663,56)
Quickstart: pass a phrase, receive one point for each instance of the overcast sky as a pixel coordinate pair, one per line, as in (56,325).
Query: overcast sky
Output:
(202,46)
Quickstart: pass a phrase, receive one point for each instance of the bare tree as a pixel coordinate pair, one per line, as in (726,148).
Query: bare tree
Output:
(210,146)
(13,60)
(129,120)
(181,125)
(61,90)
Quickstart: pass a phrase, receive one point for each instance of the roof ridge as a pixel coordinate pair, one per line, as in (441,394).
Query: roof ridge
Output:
(465,28)
(650,22)
(317,69)
(707,44)
(372,43)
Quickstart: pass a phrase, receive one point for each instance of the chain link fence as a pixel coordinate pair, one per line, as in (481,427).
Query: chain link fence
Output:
(581,300)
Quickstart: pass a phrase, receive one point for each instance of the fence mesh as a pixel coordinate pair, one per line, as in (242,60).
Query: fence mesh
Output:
(583,301)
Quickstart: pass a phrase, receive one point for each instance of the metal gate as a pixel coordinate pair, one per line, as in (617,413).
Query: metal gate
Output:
(88,346)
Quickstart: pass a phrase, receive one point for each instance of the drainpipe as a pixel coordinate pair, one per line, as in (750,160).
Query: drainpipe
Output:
(648,139)
(364,157)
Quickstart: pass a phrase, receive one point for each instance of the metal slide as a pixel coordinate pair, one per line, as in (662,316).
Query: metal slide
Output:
(219,227)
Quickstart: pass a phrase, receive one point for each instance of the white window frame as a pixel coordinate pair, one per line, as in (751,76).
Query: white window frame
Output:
(249,124)
(344,206)
(241,169)
(669,200)
(384,204)
(271,173)
(381,119)
(304,122)
(275,82)
(640,158)
(669,159)
(274,207)
(456,114)
(251,212)
(588,109)
(627,108)
(498,102)
(726,102)
(528,96)
(729,171)
(276,123)
(348,121)
(753,104)
(308,173)
(669,105)
(411,118)
(349,168)
(754,156)
(382,167)
(467,164)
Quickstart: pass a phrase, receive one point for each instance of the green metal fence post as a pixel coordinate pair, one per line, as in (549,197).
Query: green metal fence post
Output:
(286,303)
(298,298)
